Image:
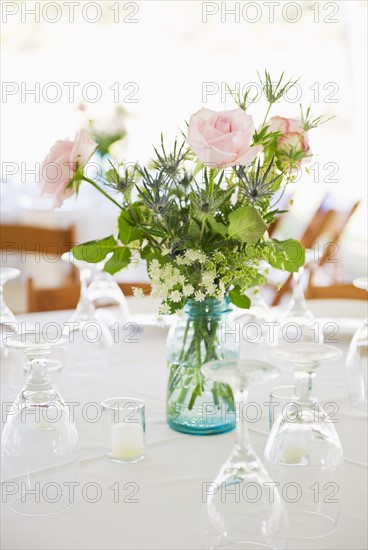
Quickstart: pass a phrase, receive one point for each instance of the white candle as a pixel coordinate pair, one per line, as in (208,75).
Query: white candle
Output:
(127,440)
(294,455)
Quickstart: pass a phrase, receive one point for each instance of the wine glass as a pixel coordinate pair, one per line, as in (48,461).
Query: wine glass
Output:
(89,336)
(8,322)
(357,361)
(239,510)
(40,452)
(303,451)
(298,323)
(104,291)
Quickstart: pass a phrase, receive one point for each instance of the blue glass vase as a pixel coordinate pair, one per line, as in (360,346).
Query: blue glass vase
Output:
(203,333)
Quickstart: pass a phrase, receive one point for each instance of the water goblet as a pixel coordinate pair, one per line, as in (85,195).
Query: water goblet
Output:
(239,511)
(39,451)
(357,361)
(303,451)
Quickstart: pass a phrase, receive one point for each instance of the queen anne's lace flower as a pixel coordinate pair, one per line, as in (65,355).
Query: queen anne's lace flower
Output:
(164,309)
(188,290)
(175,296)
(199,296)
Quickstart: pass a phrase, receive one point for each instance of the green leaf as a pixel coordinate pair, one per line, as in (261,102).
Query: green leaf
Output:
(193,230)
(127,230)
(246,225)
(239,299)
(287,255)
(120,259)
(218,227)
(94,251)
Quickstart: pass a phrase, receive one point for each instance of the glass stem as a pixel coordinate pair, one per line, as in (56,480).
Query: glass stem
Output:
(242,435)
(85,307)
(304,391)
(298,291)
(38,387)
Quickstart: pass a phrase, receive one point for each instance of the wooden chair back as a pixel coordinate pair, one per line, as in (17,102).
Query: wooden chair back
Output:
(67,296)
(324,229)
(43,244)
(338,291)
(43,240)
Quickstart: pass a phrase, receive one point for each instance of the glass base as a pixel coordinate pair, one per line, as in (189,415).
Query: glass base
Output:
(124,460)
(42,508)
(201,430)
(244,546)
(310,525)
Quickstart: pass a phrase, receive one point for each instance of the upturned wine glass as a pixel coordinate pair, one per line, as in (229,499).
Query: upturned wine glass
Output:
(357,361)
(8,322)
(89,336)
(303,451)
(298,323)
(39,451)
(105,291)
(239,511)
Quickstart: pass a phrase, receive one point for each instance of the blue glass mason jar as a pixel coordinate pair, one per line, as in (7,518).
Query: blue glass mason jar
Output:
(203,333)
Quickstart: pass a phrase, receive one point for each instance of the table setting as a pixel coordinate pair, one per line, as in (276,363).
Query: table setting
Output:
(198,417)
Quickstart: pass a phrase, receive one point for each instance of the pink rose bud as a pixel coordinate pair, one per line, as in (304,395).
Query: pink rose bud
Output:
(292,132)
(59,167)
(222,139)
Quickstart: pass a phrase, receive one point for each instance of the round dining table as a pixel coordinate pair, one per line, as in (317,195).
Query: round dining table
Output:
(156,503)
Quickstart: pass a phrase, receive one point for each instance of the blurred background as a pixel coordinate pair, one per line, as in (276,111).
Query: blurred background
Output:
(131,70)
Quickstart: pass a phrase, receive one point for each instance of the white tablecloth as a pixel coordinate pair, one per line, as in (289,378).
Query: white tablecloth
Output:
(169,479)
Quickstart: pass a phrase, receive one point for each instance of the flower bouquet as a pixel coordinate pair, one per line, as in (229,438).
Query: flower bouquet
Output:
(198,215)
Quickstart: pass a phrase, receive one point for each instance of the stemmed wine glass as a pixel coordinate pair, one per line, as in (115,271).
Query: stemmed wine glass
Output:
(8,322)
(40,452)
(357,361)
(298,323)
(104,290)
(89,336)
(239,511)
(304,448)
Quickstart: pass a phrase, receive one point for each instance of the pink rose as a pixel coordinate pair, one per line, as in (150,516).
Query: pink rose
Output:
(293,134)
(59,167)
(222,138)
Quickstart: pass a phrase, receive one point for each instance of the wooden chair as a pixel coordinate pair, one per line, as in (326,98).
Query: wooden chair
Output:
(47,243)
(343,291)
(67,296)
(325,228)
(42,243)
(42,240)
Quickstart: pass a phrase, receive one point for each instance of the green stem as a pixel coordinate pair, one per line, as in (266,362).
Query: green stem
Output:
(184,340)
(212,182)
(202,228)
(103,192)
(267,113)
